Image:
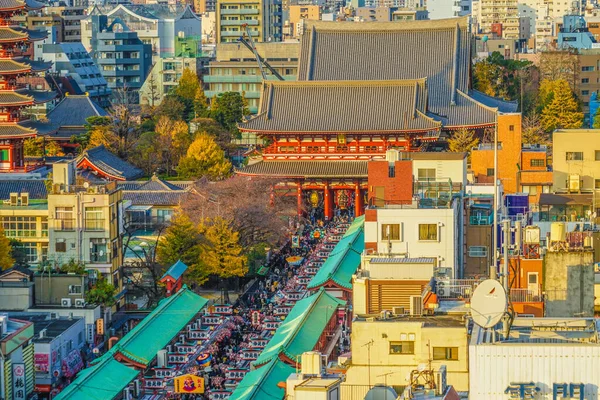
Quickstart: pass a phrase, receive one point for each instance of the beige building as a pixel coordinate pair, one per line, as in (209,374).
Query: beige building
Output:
(386,351)
(236,69)
(85,223)
(297,15)
(495,12)
(576,160)
(263,19)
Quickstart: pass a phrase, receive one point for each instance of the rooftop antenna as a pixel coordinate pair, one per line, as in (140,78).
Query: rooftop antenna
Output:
(489,304)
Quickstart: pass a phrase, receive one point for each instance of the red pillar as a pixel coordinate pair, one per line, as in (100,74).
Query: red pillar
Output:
(299,198)
(358,201)
(328,203)
(169,288)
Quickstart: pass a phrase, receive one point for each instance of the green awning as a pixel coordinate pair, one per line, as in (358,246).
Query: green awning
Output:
(302,327)
(103,381)
(344,259)
(160,326)
(261,384)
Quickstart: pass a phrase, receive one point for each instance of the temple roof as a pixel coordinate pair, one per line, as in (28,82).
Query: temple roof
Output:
(15,130)
(6,5)
(308,169)
(12,34)
(108,164)
(437,50)
(22,65)
(24,97)
(343,106)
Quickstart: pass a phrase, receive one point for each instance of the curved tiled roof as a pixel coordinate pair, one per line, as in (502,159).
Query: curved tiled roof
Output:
(308,168)
(15,130)
(343,106)
(437,50)
(22,65)
(13,34)
(19,4)
(109,164)
(25,97)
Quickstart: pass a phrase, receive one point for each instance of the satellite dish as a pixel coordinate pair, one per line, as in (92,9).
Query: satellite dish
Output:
(488,303)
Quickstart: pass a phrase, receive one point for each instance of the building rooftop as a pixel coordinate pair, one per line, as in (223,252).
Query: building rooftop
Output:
(35,187)
(433,321)
(53,327)
(546,331)
(108,164)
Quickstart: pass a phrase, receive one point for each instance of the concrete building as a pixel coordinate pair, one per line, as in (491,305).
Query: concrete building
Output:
(71,20)
(205,6)
(588,83)
(17,379)
(121,56)
(163,77)
(409,14)
(48,23)
(77,72)
(85,224)
(16,289)
(492,14)
(264,20)
(294,26)
(569,348)
(387,350)
(576,161)
(58,343)
(236,69)
(370,14)
(440,9)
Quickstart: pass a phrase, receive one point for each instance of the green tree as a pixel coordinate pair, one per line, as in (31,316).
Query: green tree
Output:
(17,253)
(75,267)
(204,157)
(36,147)
(563,110)
(462,140)
(228,109)
(188,85)
(173,107)
(596,122)
(6,261)
(181,242)
(499,77)
(222,252)
(145,154)
(92,123)
(201,104)
(103,292)
(173,139)
(208,125)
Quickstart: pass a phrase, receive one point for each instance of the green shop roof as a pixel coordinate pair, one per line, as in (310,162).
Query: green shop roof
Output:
(344,259)
(261,384)
(105,380)
(302,327)
(160,327)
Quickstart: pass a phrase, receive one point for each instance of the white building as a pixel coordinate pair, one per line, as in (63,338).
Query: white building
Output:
(440,9)
(544,358)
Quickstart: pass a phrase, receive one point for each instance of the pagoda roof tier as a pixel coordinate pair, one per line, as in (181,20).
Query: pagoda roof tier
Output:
(14,34)
(9,5)
(343,107)
(16,131)
(438,50)
(21,65)
(24,97)
(307,169)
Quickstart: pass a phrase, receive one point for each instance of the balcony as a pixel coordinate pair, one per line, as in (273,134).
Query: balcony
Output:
(455,288)
(250,22)
(232,79)
(65,224)
(239,11)
(94,224)
(481,219)
(520,295)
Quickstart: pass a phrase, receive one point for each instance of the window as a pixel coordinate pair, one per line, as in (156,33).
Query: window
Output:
(64,219)
(428,232)
(390,231)
(597,155)
(538,162)
(511,128)
(478,251)
(392,171)
(490,172)
(29,250)
(98,250)
(163,216)
(597,184)
(94,219)
(585,80)
(530,190)
(445,353)
(61,247)
(426,174)
(16,227)
(585,92)
(74,289)
(574,156)
(587,68)
(405,347)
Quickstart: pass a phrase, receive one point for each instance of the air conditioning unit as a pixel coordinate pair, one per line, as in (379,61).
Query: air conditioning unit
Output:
(385,314)
(79,303)
(137,388)
(65,302)
(574,183)
(441,290)
(398,311)
(24,199)
(161,358)
(181,338)
(416,305)
(170,348)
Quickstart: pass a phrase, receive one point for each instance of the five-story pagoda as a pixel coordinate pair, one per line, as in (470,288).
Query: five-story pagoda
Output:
(15,96)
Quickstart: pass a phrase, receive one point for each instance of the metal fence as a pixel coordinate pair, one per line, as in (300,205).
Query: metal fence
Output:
(518,295)
(456,288)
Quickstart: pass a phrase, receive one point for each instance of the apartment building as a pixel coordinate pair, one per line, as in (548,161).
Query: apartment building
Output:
(441,9)
(236,69)
(495,12)
(294,26)
(262,18)
(576,160)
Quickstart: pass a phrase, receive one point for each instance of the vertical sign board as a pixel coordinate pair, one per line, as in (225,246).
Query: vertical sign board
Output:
(19,392)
